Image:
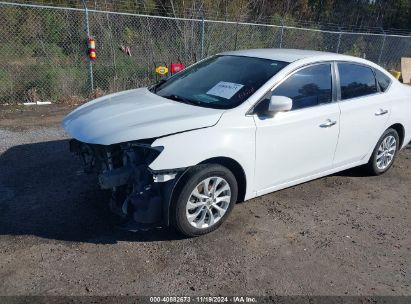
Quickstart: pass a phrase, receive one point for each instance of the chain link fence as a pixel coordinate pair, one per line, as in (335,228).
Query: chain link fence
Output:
(43,49)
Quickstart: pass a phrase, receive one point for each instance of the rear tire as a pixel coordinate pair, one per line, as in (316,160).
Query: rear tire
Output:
(384,153)
(205,199)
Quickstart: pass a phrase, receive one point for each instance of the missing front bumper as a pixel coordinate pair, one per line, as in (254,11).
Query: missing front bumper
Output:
(139,197)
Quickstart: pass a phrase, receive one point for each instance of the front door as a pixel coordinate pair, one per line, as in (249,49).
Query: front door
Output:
(300,143)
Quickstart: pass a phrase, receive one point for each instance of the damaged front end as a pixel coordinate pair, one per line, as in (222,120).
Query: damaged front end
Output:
(140,197)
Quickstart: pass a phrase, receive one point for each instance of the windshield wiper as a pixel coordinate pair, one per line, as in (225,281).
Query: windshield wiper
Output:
(155,87)
(180,99)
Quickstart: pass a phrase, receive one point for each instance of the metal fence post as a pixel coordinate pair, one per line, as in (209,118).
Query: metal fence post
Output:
(236,34)
(113,53)
(339,42)
(90,64)
(382,47)
(202,35)
(282,33)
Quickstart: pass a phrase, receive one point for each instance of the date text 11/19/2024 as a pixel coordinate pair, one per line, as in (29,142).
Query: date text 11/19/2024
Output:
(204,299)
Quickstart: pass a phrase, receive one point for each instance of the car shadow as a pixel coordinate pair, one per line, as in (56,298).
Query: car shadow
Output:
(353,172)
(44,192)
(360,171)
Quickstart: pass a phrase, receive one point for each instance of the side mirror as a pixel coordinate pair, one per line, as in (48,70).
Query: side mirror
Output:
(280,104)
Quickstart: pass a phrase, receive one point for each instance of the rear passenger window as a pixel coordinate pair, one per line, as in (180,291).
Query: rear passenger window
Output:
(356,80)
(308,87)
(383,80)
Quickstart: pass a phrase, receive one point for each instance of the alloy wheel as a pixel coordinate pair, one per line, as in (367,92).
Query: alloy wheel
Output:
(208,202)
(386,152)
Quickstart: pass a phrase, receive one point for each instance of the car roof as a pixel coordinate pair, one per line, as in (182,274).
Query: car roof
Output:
(291,55)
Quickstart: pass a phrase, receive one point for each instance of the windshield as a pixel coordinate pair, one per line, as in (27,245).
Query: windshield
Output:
(221,82)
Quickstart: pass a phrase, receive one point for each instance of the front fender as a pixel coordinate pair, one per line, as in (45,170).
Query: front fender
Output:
(235,141)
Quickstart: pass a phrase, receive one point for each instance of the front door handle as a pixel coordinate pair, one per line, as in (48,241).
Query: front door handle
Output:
(381,112)
(328,123)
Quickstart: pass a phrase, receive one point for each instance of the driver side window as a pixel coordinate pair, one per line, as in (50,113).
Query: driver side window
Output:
(308,87)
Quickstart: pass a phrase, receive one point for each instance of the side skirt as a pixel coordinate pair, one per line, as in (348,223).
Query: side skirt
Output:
(309,178)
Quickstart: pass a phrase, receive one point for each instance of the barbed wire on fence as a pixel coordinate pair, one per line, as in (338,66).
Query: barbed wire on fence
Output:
(43,53)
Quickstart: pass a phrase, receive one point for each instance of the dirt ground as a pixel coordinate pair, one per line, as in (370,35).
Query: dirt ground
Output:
(346,234)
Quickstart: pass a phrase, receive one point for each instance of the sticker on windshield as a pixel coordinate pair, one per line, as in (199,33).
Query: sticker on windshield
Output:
(225,89)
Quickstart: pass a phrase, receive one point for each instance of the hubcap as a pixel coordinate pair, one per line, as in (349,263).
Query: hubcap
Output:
(386,152)
(208,202)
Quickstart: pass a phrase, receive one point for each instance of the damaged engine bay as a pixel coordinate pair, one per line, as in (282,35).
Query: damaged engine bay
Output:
(140,198)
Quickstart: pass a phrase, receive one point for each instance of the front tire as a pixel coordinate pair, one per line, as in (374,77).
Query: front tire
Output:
(384,153)
(205,200)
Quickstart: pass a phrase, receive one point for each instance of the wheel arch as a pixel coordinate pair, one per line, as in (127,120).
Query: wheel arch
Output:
(236,169)
(400,130)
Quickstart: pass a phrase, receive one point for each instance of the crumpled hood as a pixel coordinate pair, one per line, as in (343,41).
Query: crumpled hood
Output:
(133,115)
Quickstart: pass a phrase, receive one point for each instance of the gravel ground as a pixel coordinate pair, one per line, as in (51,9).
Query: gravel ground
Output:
(346,234)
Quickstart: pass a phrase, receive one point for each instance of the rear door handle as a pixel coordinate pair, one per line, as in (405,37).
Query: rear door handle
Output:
(328,123)
(381,112)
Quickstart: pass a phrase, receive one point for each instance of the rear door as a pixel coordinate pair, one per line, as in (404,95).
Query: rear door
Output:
(364,113)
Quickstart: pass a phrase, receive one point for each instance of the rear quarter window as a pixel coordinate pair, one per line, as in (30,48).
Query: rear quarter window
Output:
(383,80)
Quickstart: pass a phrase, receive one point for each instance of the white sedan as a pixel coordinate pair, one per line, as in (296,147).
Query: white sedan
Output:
(236,126)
